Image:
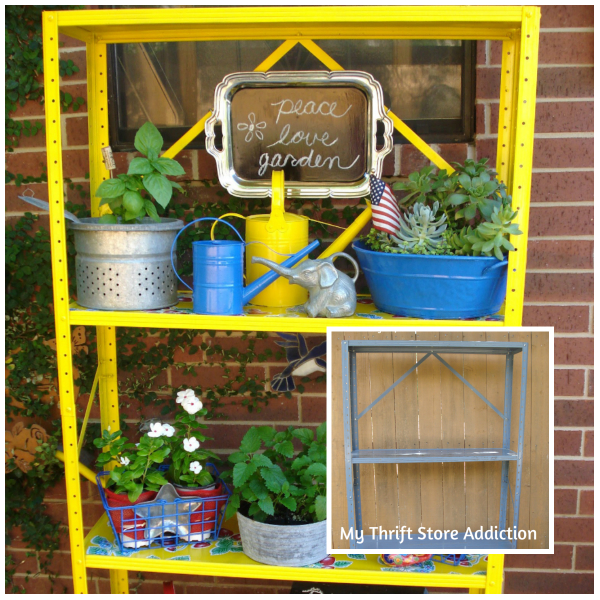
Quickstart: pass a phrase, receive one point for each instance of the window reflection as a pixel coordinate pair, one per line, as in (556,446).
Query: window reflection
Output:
(172,84)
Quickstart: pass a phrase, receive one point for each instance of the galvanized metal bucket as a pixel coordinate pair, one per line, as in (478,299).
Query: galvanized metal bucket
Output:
(125,267)
(283,545)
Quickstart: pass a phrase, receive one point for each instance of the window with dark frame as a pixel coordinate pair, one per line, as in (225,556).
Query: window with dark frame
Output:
(429,84)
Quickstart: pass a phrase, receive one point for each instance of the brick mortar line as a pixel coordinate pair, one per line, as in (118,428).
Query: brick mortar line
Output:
(544,100)
(73,180)
(574,335)
(572,398)
(238,423)
(562,204)
(69,83)
(43,149)
(575,457)
(584,488)
(581,428)
(569,571)
(573,543)
(72,49)
(566,29)
(558,238)
(575,271)
(542,66)
(231,364)
(565,304)
(42,117)
(545,136)
(562,169)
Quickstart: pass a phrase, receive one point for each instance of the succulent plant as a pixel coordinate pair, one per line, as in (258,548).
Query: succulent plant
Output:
(420,228)
(489,237)
(468,213)
(425,186)
(476,189)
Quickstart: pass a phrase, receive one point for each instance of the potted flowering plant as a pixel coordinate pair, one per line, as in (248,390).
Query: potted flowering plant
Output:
(447,257)
(188,470)
(134,477)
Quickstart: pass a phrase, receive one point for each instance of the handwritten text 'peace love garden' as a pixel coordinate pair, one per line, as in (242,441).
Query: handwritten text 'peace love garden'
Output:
(278,161)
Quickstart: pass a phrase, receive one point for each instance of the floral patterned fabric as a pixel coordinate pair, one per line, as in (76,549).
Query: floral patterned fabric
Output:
(228,549)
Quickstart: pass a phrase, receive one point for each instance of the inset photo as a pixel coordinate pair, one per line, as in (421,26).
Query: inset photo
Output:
(439,441)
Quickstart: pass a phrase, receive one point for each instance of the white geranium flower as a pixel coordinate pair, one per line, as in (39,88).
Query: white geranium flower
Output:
(124,460)
(192,405)
(191,444)
(156,430)
(195,467)
(184,395)
(168,430)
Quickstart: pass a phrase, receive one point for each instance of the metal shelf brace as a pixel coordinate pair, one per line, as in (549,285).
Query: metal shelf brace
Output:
(353,455)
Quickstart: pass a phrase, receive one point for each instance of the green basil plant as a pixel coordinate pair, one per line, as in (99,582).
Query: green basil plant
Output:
(130,197)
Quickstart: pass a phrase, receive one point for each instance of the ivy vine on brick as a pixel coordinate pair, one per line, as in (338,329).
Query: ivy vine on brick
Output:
(24,69)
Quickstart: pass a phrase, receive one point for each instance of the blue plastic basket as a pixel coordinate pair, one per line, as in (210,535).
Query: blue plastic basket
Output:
(174,524)
(433,287)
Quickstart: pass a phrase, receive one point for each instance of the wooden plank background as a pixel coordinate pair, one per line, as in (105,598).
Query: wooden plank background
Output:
(432,408)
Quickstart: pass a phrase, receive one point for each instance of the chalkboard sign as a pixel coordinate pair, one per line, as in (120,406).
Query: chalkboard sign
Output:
(318,128)
(312,133)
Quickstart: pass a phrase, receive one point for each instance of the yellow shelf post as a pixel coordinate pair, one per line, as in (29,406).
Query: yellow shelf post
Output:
(108,392)
(60,285)
(521,159)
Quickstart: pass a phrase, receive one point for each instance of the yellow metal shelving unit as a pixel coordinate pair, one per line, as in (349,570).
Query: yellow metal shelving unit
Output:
(518,29)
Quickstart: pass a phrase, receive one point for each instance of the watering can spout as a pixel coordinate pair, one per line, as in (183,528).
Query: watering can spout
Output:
(268,278)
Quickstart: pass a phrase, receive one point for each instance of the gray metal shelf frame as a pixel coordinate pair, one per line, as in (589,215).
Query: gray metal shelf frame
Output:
(354,456)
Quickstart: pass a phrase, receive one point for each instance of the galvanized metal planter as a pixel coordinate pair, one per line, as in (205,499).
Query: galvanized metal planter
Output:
(283,545)
(125,267)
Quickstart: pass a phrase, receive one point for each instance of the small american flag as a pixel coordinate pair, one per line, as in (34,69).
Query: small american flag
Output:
(386,214)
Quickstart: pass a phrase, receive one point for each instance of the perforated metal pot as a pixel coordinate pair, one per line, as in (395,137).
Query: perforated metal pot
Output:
(125,267)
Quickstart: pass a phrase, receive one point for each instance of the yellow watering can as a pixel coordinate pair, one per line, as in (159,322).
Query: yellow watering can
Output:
(283,233)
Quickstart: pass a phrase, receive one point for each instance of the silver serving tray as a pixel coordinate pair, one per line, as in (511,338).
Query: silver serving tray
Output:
(237,185)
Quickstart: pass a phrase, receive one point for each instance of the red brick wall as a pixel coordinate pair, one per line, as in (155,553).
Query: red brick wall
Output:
(558,293)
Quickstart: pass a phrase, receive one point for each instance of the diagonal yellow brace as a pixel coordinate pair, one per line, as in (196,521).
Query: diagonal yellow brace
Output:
(88,410)
(198,128)
(402,127)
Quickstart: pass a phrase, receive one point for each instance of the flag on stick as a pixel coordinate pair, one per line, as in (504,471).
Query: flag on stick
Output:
(386,214)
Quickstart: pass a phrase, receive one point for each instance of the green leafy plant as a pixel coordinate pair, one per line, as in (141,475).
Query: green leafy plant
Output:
(188,459)
(273,482)
(135,465)
(466,213)
(127,195)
